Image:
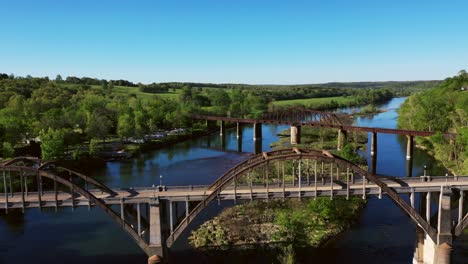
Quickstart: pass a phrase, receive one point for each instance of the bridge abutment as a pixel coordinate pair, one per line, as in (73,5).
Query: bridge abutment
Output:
(295,135)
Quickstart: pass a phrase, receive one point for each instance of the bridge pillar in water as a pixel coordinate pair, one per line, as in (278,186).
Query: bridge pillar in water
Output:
(222,139)
(373,152)
(409,155)
(258,146)
(342,139)
(257,130)
(155,232)
(295,135)
(239,142)
(239,130)
(222,128)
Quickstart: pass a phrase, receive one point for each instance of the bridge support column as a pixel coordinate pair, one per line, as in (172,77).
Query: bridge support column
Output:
(257,130)
(222,128)
(409,147)
(239,130)
(342,138)
(419,247)
(295,135)
(444,237)
(222,139)
(239,144)
(156,245)
(258,146)
(409,156)
(373,151)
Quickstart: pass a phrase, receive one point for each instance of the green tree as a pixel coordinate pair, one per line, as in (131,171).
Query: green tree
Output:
(93,147)
(7,150)
(58,79)
(52,144)
(126,126)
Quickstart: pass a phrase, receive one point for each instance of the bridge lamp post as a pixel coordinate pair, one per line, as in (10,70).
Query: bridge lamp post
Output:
(154,191)
(425,167)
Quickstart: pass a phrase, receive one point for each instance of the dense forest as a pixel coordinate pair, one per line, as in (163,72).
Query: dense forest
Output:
(73,111)
(442,109)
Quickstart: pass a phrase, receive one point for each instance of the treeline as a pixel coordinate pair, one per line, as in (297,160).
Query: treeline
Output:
(60,114)
(289,92)
(443,109)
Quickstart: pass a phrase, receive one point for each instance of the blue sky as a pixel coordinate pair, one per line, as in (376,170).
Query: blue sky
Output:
(240,41)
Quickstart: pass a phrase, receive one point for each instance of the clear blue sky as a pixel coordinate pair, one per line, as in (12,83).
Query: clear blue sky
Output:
(241,41)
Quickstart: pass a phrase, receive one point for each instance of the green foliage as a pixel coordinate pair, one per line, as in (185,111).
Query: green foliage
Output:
(349,153)
(442,109)
(7,150)
(93,147)
(288,255)
(52,144)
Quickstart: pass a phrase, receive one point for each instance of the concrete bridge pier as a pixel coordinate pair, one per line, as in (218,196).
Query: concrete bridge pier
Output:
(239,130)
(239,143)
(222,128)
(156,241)
(373,152)
(342,139)
(444,237)
(428,251)
(257,131)
(295,135)
(258,146)
(409,156)
(418,257)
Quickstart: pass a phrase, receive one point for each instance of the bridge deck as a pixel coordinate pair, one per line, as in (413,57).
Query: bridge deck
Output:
(243,192)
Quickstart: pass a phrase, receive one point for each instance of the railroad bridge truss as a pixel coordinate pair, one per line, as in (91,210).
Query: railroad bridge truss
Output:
(281,174)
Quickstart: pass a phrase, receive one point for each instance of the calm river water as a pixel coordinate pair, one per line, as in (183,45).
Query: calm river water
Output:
(383,235)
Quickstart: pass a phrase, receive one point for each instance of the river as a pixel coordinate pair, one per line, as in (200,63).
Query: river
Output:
(383,235)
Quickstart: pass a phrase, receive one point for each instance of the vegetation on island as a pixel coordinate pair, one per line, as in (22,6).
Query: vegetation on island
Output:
(442,109)
(278,223)
(290,224)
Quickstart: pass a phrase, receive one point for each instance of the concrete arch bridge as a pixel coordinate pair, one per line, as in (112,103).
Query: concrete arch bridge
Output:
(148,214)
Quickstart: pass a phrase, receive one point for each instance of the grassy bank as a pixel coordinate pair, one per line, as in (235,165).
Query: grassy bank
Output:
(319,103)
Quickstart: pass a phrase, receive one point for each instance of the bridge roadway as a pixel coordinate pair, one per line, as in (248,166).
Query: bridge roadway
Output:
(240,192)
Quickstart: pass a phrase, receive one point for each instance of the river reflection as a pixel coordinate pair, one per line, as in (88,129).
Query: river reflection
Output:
(384,234)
